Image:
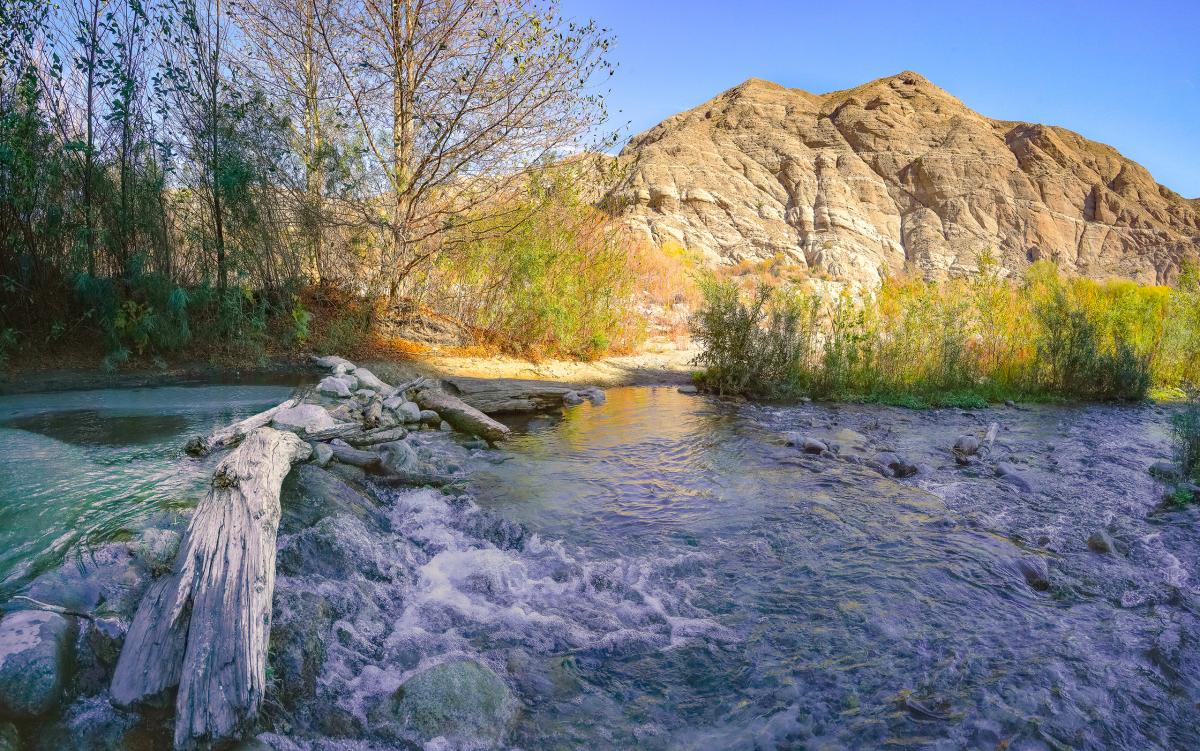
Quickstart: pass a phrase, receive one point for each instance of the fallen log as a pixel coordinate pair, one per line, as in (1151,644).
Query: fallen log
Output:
(205,627)
(461,415)
(495,396)
(231,434)
(355,457)
(373,437)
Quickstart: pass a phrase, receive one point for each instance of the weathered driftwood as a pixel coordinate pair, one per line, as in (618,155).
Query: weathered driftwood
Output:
(461,415)
(496,396)
(355,457)
(205,627)
(231,434)
(373,437)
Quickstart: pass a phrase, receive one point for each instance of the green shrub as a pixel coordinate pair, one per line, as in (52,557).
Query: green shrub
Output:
(1186,427)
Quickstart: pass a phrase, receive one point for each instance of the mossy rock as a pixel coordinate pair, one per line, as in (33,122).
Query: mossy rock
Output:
(459,700)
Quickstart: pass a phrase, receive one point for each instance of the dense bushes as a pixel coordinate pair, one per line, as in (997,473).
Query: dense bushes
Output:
(954,342)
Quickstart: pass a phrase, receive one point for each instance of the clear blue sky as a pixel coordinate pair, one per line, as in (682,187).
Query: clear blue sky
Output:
(1124,73)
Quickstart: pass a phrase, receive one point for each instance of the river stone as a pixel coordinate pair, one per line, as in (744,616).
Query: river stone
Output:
(34,646)
(1165,470)
(688,390)
(322,454)
(571,398)
(367,379)
(445,427)
(594,394)
(398,456)
(897,465)
(966,445)
(408,412)
(461,701)
(1100,542)
(813,446)
(109,577)
(305,417)
(157,548)
(333,387)
(1011,474)
(430,418)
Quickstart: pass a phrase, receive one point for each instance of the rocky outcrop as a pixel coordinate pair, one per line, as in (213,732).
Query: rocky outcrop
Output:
(896,175)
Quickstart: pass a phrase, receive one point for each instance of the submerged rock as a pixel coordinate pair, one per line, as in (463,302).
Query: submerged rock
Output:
(299,631)
(34,646)
(311,494)
(1035,571)
(571,398)
(688,390)
(896,465)
(1165,470)
(461,701)
(1012,475)
(1100,542)
(9,739)
(157,548)
(339,547)
(966,445)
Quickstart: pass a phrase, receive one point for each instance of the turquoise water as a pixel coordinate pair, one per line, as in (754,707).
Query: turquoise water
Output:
(86,466)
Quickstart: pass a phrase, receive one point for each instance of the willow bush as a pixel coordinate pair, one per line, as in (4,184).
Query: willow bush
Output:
(964,341)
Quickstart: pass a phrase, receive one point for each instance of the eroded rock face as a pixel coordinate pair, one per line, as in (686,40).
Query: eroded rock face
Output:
(897,174)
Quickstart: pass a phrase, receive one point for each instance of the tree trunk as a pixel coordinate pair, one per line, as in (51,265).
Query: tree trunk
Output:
(231,434)
(461,415)
(206,627)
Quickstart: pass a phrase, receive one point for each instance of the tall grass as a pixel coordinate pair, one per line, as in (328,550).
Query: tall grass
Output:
(964,341)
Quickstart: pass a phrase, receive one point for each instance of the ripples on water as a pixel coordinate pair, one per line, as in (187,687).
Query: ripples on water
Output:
(84,466)
(662,573)
(868,611)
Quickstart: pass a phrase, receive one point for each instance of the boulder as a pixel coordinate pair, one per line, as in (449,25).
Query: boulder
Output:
(311,494)
(398,456)
(408,412)
(330,362)
(462,701)
(334,387)
(303,418)
(34,647)
(367,379)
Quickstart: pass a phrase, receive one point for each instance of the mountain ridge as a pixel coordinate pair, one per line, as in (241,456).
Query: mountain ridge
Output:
(892,175)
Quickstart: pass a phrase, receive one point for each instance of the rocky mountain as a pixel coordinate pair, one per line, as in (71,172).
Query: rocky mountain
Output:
(897,174)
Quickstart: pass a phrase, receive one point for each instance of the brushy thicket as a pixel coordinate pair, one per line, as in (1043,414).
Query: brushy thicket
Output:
(566,282)
(959,342)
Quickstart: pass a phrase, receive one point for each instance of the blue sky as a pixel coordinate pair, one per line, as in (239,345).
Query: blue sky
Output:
(1124,73)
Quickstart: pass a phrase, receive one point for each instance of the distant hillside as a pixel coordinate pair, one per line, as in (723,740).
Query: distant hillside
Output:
(897,174)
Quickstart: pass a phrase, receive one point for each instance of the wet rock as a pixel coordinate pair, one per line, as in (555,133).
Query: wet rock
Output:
(398,456)
(1013,476)
(1100,542)
(304,417)
(461,701)
(813,446)
(593,394)
(92,724)
(333,362)
(896,465)
(157,548)
(311,494)
(966,445)
(347,472)
(34,647)
(334,387)
(445,427)
(299,628)
(688,390)
(367,379)
(571,398)
(339,547)
(96,655)
(1165,470)
(475,443)
(1035,571)
(430,418)
(109,578)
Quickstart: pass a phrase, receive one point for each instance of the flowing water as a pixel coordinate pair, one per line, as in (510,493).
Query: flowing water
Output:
(662,572)
(86,466)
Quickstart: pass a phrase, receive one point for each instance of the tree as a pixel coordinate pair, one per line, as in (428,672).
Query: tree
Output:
(456,101)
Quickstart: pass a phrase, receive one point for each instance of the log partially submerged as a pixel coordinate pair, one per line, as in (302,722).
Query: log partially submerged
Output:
(231,434)
(460,415)
(205,627)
